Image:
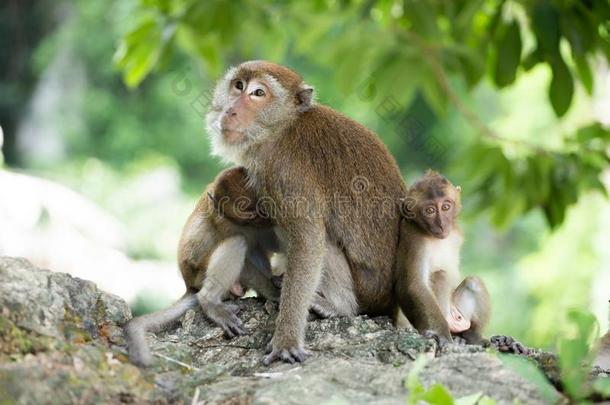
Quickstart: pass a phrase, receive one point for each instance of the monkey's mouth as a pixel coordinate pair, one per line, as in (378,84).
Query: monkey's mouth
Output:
(233,136)
(439,234)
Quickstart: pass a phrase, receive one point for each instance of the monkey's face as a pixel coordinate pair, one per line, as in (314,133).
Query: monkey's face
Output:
(437,204)
(251,102)
(437,216)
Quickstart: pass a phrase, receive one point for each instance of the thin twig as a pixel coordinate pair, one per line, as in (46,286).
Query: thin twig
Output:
(432,56)
(188,366)
(195,399)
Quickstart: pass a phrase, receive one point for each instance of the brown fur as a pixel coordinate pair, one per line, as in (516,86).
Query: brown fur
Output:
(307,152)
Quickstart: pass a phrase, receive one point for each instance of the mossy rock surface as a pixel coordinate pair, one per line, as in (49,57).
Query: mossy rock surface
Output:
(61,342)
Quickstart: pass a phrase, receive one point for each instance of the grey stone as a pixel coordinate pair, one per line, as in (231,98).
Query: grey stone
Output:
(62,343)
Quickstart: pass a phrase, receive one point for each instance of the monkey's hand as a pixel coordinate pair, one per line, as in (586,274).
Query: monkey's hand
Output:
(289,353)
(225,316)
(507,344)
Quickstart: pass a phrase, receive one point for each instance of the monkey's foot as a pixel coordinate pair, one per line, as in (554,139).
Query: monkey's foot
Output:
(290,355)
(507,344)
(225,316)
(440,340)
(458,340)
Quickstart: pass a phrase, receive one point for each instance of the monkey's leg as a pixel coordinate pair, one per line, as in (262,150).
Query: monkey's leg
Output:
(135,330)
(224,269)
(259,278)
(323,308)
(305,253)
(336,296)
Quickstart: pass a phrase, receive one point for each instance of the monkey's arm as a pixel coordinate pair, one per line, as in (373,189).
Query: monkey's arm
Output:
(305,237)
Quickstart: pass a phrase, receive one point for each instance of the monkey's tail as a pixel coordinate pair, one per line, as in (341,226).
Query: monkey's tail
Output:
(135,330)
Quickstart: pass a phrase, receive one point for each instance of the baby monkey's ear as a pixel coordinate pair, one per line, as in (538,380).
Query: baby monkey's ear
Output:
(458,188)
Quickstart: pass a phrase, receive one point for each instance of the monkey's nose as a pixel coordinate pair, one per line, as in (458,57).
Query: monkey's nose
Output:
(231,112)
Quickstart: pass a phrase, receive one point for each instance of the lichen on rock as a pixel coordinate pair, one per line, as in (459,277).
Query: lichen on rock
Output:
(62,342)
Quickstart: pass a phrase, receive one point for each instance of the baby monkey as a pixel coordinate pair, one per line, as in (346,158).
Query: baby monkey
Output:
(428,266)
(225,246)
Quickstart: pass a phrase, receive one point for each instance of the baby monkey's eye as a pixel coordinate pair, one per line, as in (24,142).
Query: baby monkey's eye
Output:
(259,93)
(446,207)
(430,210)
(239,85)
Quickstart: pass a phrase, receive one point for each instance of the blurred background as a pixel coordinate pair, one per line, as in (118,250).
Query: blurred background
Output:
(104,150)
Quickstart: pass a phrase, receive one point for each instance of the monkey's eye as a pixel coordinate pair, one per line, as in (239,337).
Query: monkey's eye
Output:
(259,92)
(239,85)
(446,207)
(430,211)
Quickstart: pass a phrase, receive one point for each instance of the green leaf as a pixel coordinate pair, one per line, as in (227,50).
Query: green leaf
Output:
(508,48)
(413,382)
(545,20)
(602,386)
(531,373)
(574,353)
(561,90)
(532,59)
(438,395)
(487,401)
(584,72)
(472,399)
(423,17)
(592,132)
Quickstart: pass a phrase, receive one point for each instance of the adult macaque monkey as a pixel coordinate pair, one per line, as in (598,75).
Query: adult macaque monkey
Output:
(301,155)
(225,246)
(428,266)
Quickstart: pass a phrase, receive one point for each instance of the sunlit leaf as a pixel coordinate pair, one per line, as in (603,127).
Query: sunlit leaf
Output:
(531,373)
(438,395)
(472,399)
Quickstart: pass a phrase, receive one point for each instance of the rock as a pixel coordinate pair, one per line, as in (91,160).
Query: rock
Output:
(62,343)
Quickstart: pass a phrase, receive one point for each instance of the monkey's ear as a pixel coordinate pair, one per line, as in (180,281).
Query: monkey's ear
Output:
(304,98)
(458,188)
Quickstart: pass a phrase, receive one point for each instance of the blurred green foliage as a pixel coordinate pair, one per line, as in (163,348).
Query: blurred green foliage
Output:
(495,94)
(576,355)
(399,49)
(437,394)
